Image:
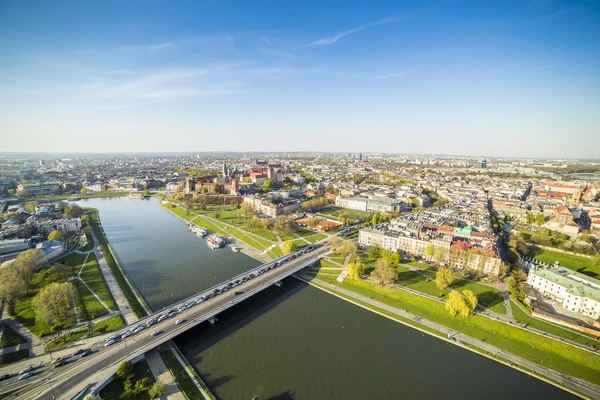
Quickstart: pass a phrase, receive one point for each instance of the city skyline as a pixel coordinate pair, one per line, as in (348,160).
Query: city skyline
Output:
(458,78)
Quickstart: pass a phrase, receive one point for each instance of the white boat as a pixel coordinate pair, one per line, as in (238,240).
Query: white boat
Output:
(197,230)
(235,249)
(215,241)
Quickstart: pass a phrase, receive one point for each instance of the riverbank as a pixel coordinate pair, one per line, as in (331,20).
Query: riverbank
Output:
(245,248)
(133,297)
(497,343)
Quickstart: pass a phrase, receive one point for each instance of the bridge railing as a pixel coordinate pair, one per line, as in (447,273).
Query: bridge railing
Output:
(208,290)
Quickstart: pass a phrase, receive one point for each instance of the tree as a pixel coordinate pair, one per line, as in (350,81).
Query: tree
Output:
(124,369)
(61,270)
(203,190)
(30,207)
(267,185)
(215,188)
(384,272)
(11,286)
(348,248)
(23,194)
(11,192)
(56,235)
(440,255)
(443,278)
(217,215)
(27,263)
(429,251)
(356,269)
(540,219)
(53,303)
(141,385)
(470,300)
(335,243)
(157,390)
(288,247)
(456,304)
(374,252)
(247,210)
(375,220)
(254,221)
(83,191)
(73,211)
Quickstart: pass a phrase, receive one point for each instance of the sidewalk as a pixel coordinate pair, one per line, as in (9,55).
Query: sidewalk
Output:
(113,286)
(162,373)
(36,345)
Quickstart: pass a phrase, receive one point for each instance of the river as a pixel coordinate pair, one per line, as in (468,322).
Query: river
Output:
(293,342)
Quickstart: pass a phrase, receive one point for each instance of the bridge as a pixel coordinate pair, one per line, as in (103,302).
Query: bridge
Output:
(59,383)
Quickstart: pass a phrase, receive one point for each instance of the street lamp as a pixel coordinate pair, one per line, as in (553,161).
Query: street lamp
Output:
(51,388)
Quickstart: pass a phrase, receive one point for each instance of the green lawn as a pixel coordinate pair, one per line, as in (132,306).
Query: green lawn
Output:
(74,261)
(536,348)
(277,251)
(355,215)
(300,243)
(524,318)
(488,297)
(10,337)
(107,325)
(115,389)
(315,238)
(119,274)
(92,275)
(253,241)
(580,264)
(14,356)
(89,307)
(23,309)
(185,383)
(235,219)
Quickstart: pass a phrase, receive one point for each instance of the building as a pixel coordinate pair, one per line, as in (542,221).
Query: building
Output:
(484,164)
(190,185)
(51,249)
(234,190)
(563,221)
(13,246)
(378,205)
(37,189)
(575,291)
(271,208)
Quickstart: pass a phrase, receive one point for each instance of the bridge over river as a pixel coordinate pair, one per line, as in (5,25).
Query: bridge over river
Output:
(65,382)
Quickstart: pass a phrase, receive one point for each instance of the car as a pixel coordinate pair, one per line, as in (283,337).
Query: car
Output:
(78,352)
(28,368)
(26,375)
(162,318)
(190,304)
(133,328)
(139,328)
(5,376)
(110,342)
(60,363)
(155,333)
(126,335)
(86,353)
(179,321)
(238,292)
(113,337)
(151,322)
(57,360)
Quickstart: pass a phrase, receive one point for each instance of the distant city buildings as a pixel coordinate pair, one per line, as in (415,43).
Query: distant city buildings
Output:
(369,204)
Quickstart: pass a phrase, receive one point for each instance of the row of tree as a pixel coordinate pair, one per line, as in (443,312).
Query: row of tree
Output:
(133,388)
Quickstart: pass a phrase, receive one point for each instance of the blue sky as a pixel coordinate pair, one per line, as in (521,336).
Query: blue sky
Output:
(504,78)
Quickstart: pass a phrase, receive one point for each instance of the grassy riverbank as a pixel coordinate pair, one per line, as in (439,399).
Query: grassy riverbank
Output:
(126,286)
(539,349)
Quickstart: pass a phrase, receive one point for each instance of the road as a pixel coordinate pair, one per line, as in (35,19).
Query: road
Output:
(580,386)
(66,381)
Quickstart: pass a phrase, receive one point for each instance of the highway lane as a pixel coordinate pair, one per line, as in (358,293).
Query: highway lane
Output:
(79,371)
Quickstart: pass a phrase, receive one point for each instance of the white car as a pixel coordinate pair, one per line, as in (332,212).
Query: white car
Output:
(113,337)
(138,329)
(179,321)
(110,342)
(126,335)
(155,333)
(162,318)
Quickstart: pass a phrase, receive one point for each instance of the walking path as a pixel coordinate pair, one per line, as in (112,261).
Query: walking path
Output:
(95,295)
(113,286)
(36,345)
(163,374)
(573,383)
(11,349)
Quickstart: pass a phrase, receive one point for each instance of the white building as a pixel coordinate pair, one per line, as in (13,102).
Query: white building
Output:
(576,292)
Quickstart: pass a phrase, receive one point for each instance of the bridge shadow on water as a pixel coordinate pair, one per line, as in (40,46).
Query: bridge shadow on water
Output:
(205,335)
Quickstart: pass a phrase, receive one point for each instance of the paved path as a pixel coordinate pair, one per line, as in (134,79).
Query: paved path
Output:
(36,345)
(113,286)
(95,295)
(11,349)
(163,374)
(575,384)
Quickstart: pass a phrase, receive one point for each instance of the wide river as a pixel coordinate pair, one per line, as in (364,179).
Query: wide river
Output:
(293,342)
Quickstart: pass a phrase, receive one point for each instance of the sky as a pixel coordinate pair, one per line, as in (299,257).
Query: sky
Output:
(502,78)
